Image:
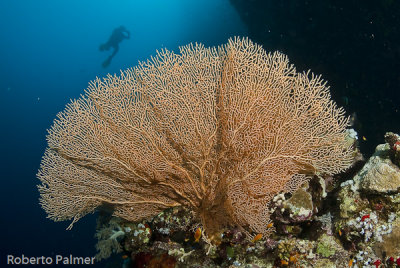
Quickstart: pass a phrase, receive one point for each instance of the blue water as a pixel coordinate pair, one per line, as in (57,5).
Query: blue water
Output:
(48,54)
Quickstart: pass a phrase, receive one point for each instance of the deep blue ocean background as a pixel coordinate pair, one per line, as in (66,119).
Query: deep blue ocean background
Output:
(49,51)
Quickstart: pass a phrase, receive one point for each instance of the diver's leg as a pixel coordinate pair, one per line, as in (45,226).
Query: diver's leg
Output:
(116,49)
(105,46)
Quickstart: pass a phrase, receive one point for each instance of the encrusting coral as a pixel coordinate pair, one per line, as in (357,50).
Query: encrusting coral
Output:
(218,130)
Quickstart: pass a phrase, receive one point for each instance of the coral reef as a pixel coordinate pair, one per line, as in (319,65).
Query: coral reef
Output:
(369,211)
(222,158)
(350,225)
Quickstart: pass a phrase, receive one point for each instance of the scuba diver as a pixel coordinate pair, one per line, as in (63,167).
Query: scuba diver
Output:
(116,37)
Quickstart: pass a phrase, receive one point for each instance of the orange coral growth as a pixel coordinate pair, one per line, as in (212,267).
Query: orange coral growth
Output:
(218,130)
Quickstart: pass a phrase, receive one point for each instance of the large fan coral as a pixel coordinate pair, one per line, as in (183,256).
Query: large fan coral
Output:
(219,130)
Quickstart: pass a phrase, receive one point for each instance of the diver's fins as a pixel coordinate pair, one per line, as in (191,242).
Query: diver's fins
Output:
(106,62)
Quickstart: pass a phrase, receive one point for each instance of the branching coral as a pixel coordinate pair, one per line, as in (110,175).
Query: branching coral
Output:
(218,130)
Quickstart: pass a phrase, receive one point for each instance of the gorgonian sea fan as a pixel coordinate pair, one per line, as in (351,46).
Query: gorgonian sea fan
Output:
(219,130)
